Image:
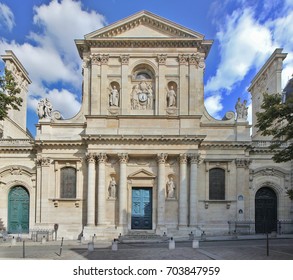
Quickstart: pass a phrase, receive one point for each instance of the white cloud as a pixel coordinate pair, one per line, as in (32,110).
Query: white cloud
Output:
(63,22)
(50,55)
(244,44)
(6,17)
(214,105)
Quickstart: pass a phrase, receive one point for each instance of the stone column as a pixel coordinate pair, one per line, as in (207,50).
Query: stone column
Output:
(124,96)
(161,189)
(104,101)
(102,157)
(183,85)
(87,85)
(198,73)
(43,183)
(242,183)
(95,93)
(160,102)
(192,84)
(193,190)
(123,190)
(183,201)
(91,159)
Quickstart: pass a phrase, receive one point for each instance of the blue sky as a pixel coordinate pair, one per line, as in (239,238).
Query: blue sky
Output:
(245,33)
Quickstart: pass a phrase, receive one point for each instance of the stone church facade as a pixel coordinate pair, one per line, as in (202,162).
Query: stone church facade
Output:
(143,155)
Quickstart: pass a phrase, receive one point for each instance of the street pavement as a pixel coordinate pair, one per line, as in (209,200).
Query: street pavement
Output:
(213,248)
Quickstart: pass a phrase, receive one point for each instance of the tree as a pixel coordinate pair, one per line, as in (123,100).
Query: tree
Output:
(276,120)
(9,92)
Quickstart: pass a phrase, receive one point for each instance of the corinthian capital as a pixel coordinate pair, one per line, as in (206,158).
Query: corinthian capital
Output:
(242,162)
(123,158)
(90,158)
(162,157)
(124,59)
(102,157)
(43,161)
(183,158)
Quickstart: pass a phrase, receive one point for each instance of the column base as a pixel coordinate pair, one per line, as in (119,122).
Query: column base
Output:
(160,230)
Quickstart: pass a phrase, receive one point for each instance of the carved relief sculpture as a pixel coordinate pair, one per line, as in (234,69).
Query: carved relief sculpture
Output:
(142,96)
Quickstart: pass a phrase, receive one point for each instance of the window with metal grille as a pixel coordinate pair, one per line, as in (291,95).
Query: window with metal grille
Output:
(68,182)
(217,184)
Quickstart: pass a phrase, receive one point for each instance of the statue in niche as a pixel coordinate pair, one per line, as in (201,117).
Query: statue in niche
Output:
(171,97)
(114,97)
(44,109)
(171,188)
(112,188)
(241,109)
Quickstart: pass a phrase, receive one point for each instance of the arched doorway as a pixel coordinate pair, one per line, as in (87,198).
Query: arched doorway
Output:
(18,210)
(265,210)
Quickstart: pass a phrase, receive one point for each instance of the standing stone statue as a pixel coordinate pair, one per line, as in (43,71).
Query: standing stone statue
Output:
(171,98)
(171,188)
(114,97)
(245,110)
(150,97)
(44,109)
(112,188)
(241,109)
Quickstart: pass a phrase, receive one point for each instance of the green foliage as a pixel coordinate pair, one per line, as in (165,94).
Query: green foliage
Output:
(276,120)
(9,91)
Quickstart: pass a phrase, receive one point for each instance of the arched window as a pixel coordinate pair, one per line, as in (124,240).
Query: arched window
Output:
(68,182)
(217,184)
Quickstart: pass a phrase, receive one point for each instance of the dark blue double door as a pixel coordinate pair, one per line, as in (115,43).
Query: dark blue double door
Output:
(141,210)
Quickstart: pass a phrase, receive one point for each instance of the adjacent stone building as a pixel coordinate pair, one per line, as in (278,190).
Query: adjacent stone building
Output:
(143,155)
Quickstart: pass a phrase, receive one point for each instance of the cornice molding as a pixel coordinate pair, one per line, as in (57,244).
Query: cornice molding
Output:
(202,46)
(145,139)
(235,144)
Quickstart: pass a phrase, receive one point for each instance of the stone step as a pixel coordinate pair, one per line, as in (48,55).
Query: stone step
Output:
(141,237)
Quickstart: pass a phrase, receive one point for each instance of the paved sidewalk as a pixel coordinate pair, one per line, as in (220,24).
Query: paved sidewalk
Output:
(218,248)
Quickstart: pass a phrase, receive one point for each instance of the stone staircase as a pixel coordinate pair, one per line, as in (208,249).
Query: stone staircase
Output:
(142,237)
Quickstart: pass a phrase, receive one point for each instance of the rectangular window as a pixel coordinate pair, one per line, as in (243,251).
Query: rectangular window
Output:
(217,184)
(68,182)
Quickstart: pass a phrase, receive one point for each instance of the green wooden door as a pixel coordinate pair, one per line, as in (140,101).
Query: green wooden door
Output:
(18,210)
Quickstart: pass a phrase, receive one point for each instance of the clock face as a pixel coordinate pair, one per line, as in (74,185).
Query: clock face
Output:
(142,97)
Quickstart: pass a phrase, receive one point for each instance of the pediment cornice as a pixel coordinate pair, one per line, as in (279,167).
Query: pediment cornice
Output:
(162,25)
(142,174)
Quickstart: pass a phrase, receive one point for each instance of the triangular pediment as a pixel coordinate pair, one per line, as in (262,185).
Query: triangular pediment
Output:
(144,25)
(142,174)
